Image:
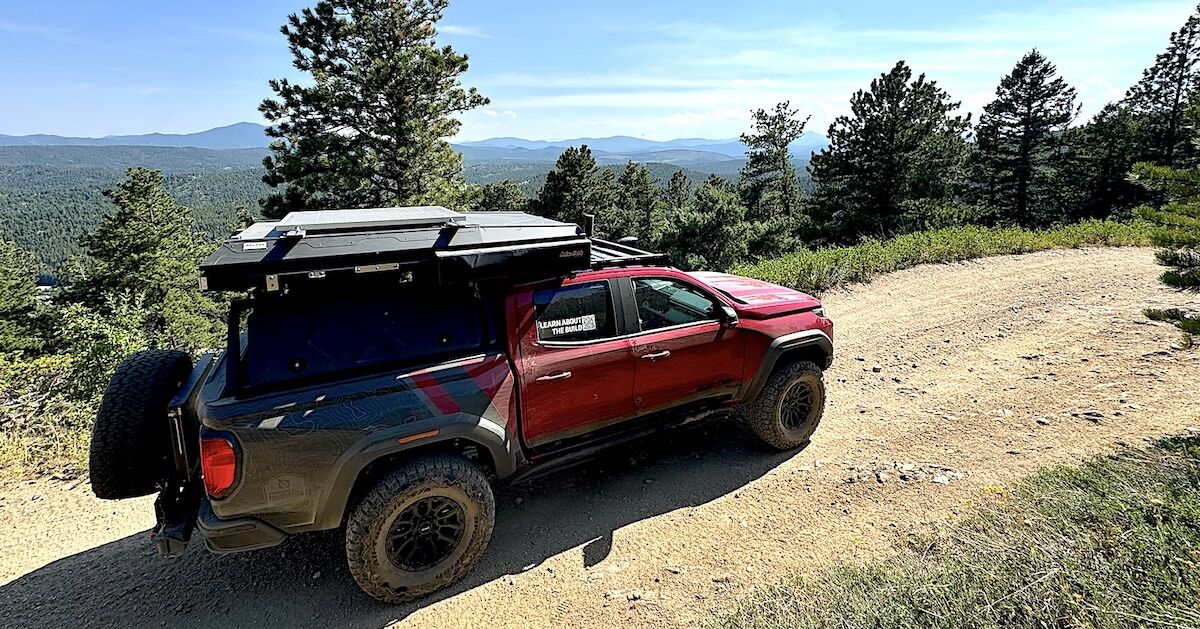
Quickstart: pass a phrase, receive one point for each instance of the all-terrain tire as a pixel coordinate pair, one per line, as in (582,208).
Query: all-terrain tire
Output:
(768,415)
(371,551)
(131,442)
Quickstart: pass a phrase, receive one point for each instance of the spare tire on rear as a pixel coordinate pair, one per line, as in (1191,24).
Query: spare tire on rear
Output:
(131,442)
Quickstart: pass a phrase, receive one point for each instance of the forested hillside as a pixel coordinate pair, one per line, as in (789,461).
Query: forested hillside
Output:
(45,209)
(50,195)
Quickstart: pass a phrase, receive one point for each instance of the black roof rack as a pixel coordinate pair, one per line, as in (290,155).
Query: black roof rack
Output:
(610,254)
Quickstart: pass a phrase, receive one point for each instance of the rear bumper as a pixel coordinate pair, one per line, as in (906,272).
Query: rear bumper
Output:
(227,536)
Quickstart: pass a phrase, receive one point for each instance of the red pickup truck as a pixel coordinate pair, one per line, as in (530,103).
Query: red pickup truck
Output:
(387,400)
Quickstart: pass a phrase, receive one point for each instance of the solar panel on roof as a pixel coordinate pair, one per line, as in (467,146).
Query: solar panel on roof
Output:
(326,220)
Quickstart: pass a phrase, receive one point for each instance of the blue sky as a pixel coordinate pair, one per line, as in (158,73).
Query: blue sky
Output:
(562,69)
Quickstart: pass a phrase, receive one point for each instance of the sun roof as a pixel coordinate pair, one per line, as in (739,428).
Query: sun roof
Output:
(371,218)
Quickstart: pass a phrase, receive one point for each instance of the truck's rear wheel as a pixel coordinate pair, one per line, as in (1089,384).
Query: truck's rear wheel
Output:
(131,441)
(787,410)
(420,528)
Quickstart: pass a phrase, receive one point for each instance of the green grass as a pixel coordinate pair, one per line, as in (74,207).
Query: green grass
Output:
(815,271)
(1114,542)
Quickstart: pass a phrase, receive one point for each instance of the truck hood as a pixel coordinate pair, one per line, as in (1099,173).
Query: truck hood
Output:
(757,299)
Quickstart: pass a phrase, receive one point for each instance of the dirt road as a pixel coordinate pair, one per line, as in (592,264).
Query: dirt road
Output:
(961,377)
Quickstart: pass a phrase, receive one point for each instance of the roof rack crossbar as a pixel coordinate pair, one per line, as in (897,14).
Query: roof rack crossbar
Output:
(610,254)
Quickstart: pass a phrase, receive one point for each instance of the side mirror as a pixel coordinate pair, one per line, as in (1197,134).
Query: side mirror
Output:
(729,316)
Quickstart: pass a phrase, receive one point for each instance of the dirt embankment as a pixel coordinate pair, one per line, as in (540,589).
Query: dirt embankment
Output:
(949,380)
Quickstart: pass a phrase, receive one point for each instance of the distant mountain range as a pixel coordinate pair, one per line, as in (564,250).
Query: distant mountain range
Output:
(241,135)
(687,152)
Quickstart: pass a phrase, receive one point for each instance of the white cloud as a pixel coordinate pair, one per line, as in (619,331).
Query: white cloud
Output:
(463,31)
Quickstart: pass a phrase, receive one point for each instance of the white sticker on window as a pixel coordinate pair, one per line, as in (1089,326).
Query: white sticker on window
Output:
(573,325)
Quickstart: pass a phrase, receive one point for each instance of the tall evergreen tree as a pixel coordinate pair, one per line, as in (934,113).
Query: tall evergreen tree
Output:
(638,204)
(147,251)
(1164,93)
(18,299)
(711,233)
(770,188)
(901,152)
(371,129)
(1102,152)
(678,192)
(1021,149)
(577,186)
(503,195)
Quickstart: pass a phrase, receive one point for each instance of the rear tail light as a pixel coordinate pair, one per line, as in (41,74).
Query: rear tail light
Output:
(218,462)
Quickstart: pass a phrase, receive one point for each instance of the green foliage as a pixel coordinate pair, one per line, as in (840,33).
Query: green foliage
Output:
(43,429)
(770,189)
(678,192)
(900,152)
(638,211)
(577,186)
(814,271)
(503,195)
(711,233)
(147,251)
(371,129)
(1162,97)
(1178,233)
(48,402)
(1021,147)
(1178,219)
(92,165)
(19,307)
(47,208)
(98,340)
(1112,543)
(1101,154)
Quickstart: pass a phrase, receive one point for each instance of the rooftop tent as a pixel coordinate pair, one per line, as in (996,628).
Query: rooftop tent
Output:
(456,247)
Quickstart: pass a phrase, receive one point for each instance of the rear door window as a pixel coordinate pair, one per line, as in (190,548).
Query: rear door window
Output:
(582,312)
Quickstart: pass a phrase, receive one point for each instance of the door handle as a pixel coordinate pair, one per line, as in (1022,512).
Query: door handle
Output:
(657,355)
(562,375)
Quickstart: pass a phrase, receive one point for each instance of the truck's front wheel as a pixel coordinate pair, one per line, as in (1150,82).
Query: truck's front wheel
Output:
(420,528)
(787,410)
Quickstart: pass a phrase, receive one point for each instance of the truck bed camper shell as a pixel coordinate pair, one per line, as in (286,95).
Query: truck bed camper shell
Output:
(451,247)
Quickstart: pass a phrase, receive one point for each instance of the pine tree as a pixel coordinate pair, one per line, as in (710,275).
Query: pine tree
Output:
(1164,93)
(1021,150)
(148,252)
(1178,232)
(503,195)
(1102,152)
(711,233)
(679,191)
(901,152)
(770,188)
(576,186)
(19,307)
(638,204)
(371,129)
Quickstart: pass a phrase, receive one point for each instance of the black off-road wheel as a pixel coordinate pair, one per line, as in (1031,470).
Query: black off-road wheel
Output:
(420,528)
(787,410)
(131,442)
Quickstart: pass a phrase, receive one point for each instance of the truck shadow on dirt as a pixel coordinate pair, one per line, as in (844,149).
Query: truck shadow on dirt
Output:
(305,580)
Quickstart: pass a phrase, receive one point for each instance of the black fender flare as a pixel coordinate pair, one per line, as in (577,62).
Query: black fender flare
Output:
(806,340)
(480,431)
